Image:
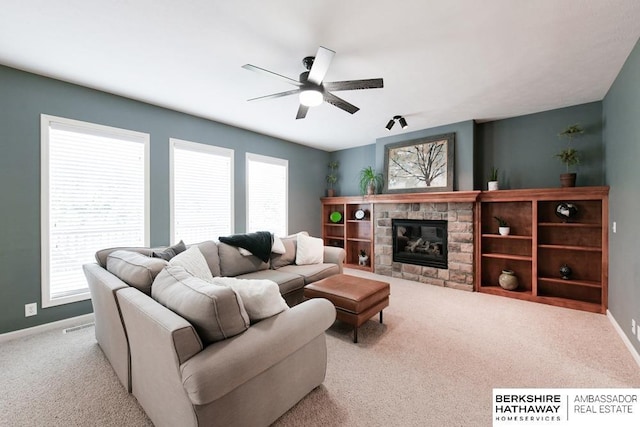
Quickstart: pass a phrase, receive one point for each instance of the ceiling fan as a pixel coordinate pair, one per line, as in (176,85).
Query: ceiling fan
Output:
(311,89)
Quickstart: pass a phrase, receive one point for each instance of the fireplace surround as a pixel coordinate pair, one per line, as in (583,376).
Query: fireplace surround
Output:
(455,208)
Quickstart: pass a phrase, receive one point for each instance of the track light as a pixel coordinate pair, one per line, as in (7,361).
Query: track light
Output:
(400,119)
(390,124)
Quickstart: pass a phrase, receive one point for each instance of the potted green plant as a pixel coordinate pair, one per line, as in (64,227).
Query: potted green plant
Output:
(569,156)
(370,181)
(332,178)
(503,226)
(493,179)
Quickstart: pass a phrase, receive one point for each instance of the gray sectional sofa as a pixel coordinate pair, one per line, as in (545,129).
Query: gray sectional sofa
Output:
(181,376)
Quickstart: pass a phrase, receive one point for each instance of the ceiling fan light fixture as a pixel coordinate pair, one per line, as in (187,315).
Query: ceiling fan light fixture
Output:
(311,97)
(390,124)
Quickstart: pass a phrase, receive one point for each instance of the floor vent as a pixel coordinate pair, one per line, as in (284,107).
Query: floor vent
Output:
(77,328)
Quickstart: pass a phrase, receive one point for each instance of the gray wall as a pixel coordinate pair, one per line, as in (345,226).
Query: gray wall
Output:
(621,117)
(352,161)
(523,148)
(24,96)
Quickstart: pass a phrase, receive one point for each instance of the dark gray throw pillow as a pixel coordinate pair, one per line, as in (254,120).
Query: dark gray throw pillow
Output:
(171,251)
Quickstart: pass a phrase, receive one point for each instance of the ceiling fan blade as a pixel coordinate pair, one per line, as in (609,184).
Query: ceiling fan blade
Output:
(302,112)
(354,84)
(340,103)
(275,95)
(272,74)
(320,65)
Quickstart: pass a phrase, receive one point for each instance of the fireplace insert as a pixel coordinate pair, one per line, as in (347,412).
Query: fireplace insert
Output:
(420,242)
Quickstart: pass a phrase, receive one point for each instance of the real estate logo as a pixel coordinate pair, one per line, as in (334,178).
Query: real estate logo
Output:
(566,407)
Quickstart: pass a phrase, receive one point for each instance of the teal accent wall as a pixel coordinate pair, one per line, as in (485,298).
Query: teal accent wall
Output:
(353,160)
(25,96)
(523,148)
(621,117)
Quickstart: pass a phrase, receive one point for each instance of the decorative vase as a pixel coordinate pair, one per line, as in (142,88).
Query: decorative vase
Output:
(493,185)
(567,179)
(508,280)
(565,272)
(504,231)
(331,192)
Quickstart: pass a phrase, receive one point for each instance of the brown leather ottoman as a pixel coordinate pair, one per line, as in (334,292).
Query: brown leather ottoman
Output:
(356,299)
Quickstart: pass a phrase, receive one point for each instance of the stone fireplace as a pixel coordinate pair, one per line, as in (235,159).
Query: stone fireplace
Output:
(458,216)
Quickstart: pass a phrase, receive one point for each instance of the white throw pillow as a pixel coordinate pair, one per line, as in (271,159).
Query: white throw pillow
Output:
(310,250)
(278,246)
(261,298)
(194,263)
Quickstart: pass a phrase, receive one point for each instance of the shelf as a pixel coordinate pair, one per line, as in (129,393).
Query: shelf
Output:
(359,220)
(509,236)
(507,256)
(569,225)
(497,290)
(357,239)
(334,224)
(334,237)
(571,282)
(571,248)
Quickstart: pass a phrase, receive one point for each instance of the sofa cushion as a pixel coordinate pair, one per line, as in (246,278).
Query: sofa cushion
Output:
(310,250)
(232,263)
(168,253)
(312,272)
(216,312)
(286,281)
(261,298)
(209,250)
(135,269)
(193,261)
(102,254)
(289,256)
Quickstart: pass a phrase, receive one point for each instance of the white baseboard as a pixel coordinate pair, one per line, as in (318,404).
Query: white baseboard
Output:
(60,324)
(625,339)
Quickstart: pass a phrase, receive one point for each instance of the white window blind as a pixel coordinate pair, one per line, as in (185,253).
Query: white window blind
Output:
(94,196)
(267,194)
(201,191)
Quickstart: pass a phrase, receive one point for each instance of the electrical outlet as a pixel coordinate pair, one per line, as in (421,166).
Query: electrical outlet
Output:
(615,228)
(633,326)
(638,333)
(30,309)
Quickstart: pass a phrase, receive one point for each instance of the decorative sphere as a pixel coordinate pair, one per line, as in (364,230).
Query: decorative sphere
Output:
(566,210)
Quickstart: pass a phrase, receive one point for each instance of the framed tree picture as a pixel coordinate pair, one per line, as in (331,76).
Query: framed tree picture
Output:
(420,165)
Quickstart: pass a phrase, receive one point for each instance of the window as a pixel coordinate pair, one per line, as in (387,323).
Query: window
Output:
(267,193)
(201,191)
(94,195)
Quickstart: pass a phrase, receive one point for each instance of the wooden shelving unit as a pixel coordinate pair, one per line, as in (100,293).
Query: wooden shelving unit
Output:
(349,233)
(540,243)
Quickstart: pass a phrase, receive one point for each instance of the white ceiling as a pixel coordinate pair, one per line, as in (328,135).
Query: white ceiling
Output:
(442,61)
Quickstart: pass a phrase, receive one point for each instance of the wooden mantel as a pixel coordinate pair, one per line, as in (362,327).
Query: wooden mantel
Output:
(435,197)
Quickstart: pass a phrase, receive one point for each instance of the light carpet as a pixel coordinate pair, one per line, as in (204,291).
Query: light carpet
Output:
(433,362)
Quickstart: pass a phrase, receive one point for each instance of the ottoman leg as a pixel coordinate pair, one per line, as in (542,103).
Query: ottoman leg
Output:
(380,316)
(355,334)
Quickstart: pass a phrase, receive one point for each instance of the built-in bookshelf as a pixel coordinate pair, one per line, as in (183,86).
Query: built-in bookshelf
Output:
(540,242)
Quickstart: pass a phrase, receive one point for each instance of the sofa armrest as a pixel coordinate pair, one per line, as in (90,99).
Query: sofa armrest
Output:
(160,341)
(227,364)
(109,328)
(335,255)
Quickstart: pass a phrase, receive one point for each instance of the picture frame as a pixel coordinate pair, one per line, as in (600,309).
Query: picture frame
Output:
(420,165)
